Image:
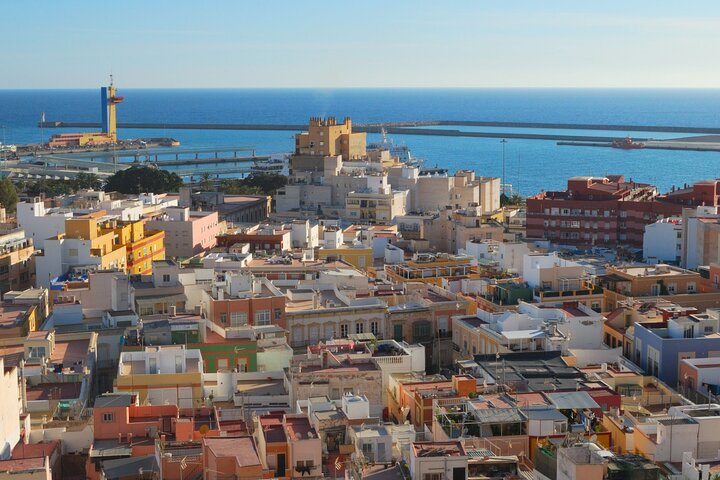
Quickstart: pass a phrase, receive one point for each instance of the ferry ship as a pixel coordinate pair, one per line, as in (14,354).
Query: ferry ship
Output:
(402,152)
(278,163)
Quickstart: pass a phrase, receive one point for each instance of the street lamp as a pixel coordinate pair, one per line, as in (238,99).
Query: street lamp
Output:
(502,185)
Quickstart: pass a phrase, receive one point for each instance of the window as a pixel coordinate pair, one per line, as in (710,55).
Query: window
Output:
(359,328)
(708,329)
(153,364)
(37,352)
(223,364)
(304,466)
(108,417)
(343,330)
(691,287)
(223,318)
(238,319)
(278,314)
(262,317)
(653,361)
(179,364)
(374,328)
(421,331)
(166,278)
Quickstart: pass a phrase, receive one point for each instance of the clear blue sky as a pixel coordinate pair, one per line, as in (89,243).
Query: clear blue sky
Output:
(263,43)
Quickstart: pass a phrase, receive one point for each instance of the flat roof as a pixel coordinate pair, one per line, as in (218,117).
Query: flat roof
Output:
(11,315)
(243,449)
(54,391)
(114,400)
(572,400)
(22,464)
(299,428)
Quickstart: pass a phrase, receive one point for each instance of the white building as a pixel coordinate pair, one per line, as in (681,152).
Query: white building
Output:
(509,257)
(40,223)
(10,411)
(373,442)
(438,460)
(549,271)
(394,254)
(662,241)
(304,235)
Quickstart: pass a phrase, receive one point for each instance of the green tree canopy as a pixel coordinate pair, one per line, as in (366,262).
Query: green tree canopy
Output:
(255,184)
(8,194)
(515,199)
(86,181)
(140,179)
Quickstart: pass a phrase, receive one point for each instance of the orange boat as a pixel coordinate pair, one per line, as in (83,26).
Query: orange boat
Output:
(627,144)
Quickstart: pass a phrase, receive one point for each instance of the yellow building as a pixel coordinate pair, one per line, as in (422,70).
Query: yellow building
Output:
(326,137)
(429,268)
(142,247)
(359,256)
(89,228)
(162,375)
(97,242)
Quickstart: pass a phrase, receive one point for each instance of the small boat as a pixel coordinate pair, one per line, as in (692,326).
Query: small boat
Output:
(627,144)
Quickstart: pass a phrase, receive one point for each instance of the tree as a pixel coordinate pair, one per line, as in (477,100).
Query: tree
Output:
(8,195)
(255,184)
(206,183)
(267,182)
(141,179)
(84,181)
(515,199)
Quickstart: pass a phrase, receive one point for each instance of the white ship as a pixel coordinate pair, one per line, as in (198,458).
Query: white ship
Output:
(278,163)
(402,152)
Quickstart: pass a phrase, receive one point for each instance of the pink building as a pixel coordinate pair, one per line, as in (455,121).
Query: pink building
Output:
(231,457)
(186,233)
(305,447)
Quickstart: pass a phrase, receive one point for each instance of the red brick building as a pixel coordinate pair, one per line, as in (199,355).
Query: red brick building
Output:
(609,211)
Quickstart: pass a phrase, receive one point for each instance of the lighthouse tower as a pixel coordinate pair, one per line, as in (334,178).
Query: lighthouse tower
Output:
(108,101)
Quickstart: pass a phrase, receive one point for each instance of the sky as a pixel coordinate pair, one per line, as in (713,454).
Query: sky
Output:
(366,43)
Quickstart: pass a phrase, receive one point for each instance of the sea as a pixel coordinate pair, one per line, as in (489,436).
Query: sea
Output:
(531,166)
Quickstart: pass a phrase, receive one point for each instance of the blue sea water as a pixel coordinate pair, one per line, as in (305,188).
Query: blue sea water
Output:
(531,165)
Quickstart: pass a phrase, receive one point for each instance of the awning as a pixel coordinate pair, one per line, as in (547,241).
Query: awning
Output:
(571,400)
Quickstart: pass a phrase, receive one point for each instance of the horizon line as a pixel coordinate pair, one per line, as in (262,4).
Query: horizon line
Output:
(372,88)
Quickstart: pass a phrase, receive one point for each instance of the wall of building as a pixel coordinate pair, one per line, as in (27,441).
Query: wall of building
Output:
(662,241)
(37,224)
(10,409)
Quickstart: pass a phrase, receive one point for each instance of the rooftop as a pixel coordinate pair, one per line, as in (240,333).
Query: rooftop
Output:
(243,449)
(299,428)
(22,465)
(438,449)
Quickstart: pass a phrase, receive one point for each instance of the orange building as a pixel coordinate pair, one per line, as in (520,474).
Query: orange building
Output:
(326,137)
